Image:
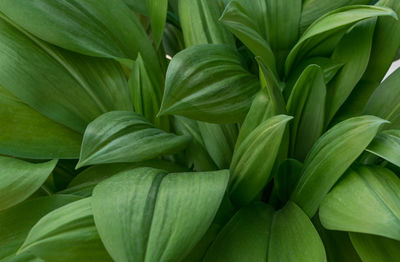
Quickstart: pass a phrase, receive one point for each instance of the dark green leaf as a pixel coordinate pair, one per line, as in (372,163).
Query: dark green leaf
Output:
(286,178)
(158,15)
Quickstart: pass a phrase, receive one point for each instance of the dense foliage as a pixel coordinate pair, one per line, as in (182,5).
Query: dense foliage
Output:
(270,136)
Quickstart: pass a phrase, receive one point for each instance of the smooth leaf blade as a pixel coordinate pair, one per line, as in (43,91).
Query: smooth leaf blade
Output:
(122,136)
(158,15)
(374,248)
(387,146)
(329,158)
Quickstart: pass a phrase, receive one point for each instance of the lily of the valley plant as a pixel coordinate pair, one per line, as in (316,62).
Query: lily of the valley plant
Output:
(199,130)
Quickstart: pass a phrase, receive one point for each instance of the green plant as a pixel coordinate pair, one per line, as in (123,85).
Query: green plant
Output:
(268,136)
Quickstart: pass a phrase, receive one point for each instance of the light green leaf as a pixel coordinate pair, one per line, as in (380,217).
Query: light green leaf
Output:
(199,21)
(307,105)
(163,215)
(314,9)
(208,83)
(385,45)
(66,234)
(250,168)
(68,88)
(247,20)
(387,146)
(374,248)
(27,133)
(330,157)
(158,15)
(384,102)
(15,222)
(367,200)
(20,179)
(353,51)
(232,243)
(100,28)
(330,27)
(122,136)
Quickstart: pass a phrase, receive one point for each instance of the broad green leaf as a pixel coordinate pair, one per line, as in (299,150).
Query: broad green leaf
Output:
(68,88)
(330,157)
(122,136)
(245,237)
(24,257)
(247,20)
(196,154)
(27,133)
(314,9)
(100,28)
(353,51)
(66,234)
(387,146)
(20,179)
(307,105)
(158,15)
(385,45)
(330,25)
(384,102)
(294,238)
(208,83)
(250,168)
(161,216)
(84,183)
(199,21)
(138,6)
(286,178)
(375,248)
(367,200)
(15,222)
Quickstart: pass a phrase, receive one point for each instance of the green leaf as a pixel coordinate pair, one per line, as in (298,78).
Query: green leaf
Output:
(252,222)
(24,257)
(307,105)
(285,235)
(138,6)
(286,178)
(27,133)
(155,223)
(208,83)
(247,20)
(199,21)
(353,51)
(68,88)
(66,234)
(367,200)
(387,146)
(384,101)
(122,136)
(97,28)
(250,169)
(374,248)
(15,222)
(158,16)
(385,45)
(330,157)
(328,27)
(314,9)
(20,179)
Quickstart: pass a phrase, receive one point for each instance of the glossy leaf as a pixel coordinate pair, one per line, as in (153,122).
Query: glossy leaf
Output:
(158,15)
(27,133)
(68,88)
(247,20)
(307,105)
(384,101)
(387,146)
(250,168)
(20,179)
(66,234)
(327,26)
(15,222)
(156,223)
(374,248)
(330,157)
(353,51)
(199,21)
(366,201)
(208,83)
(122,136)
